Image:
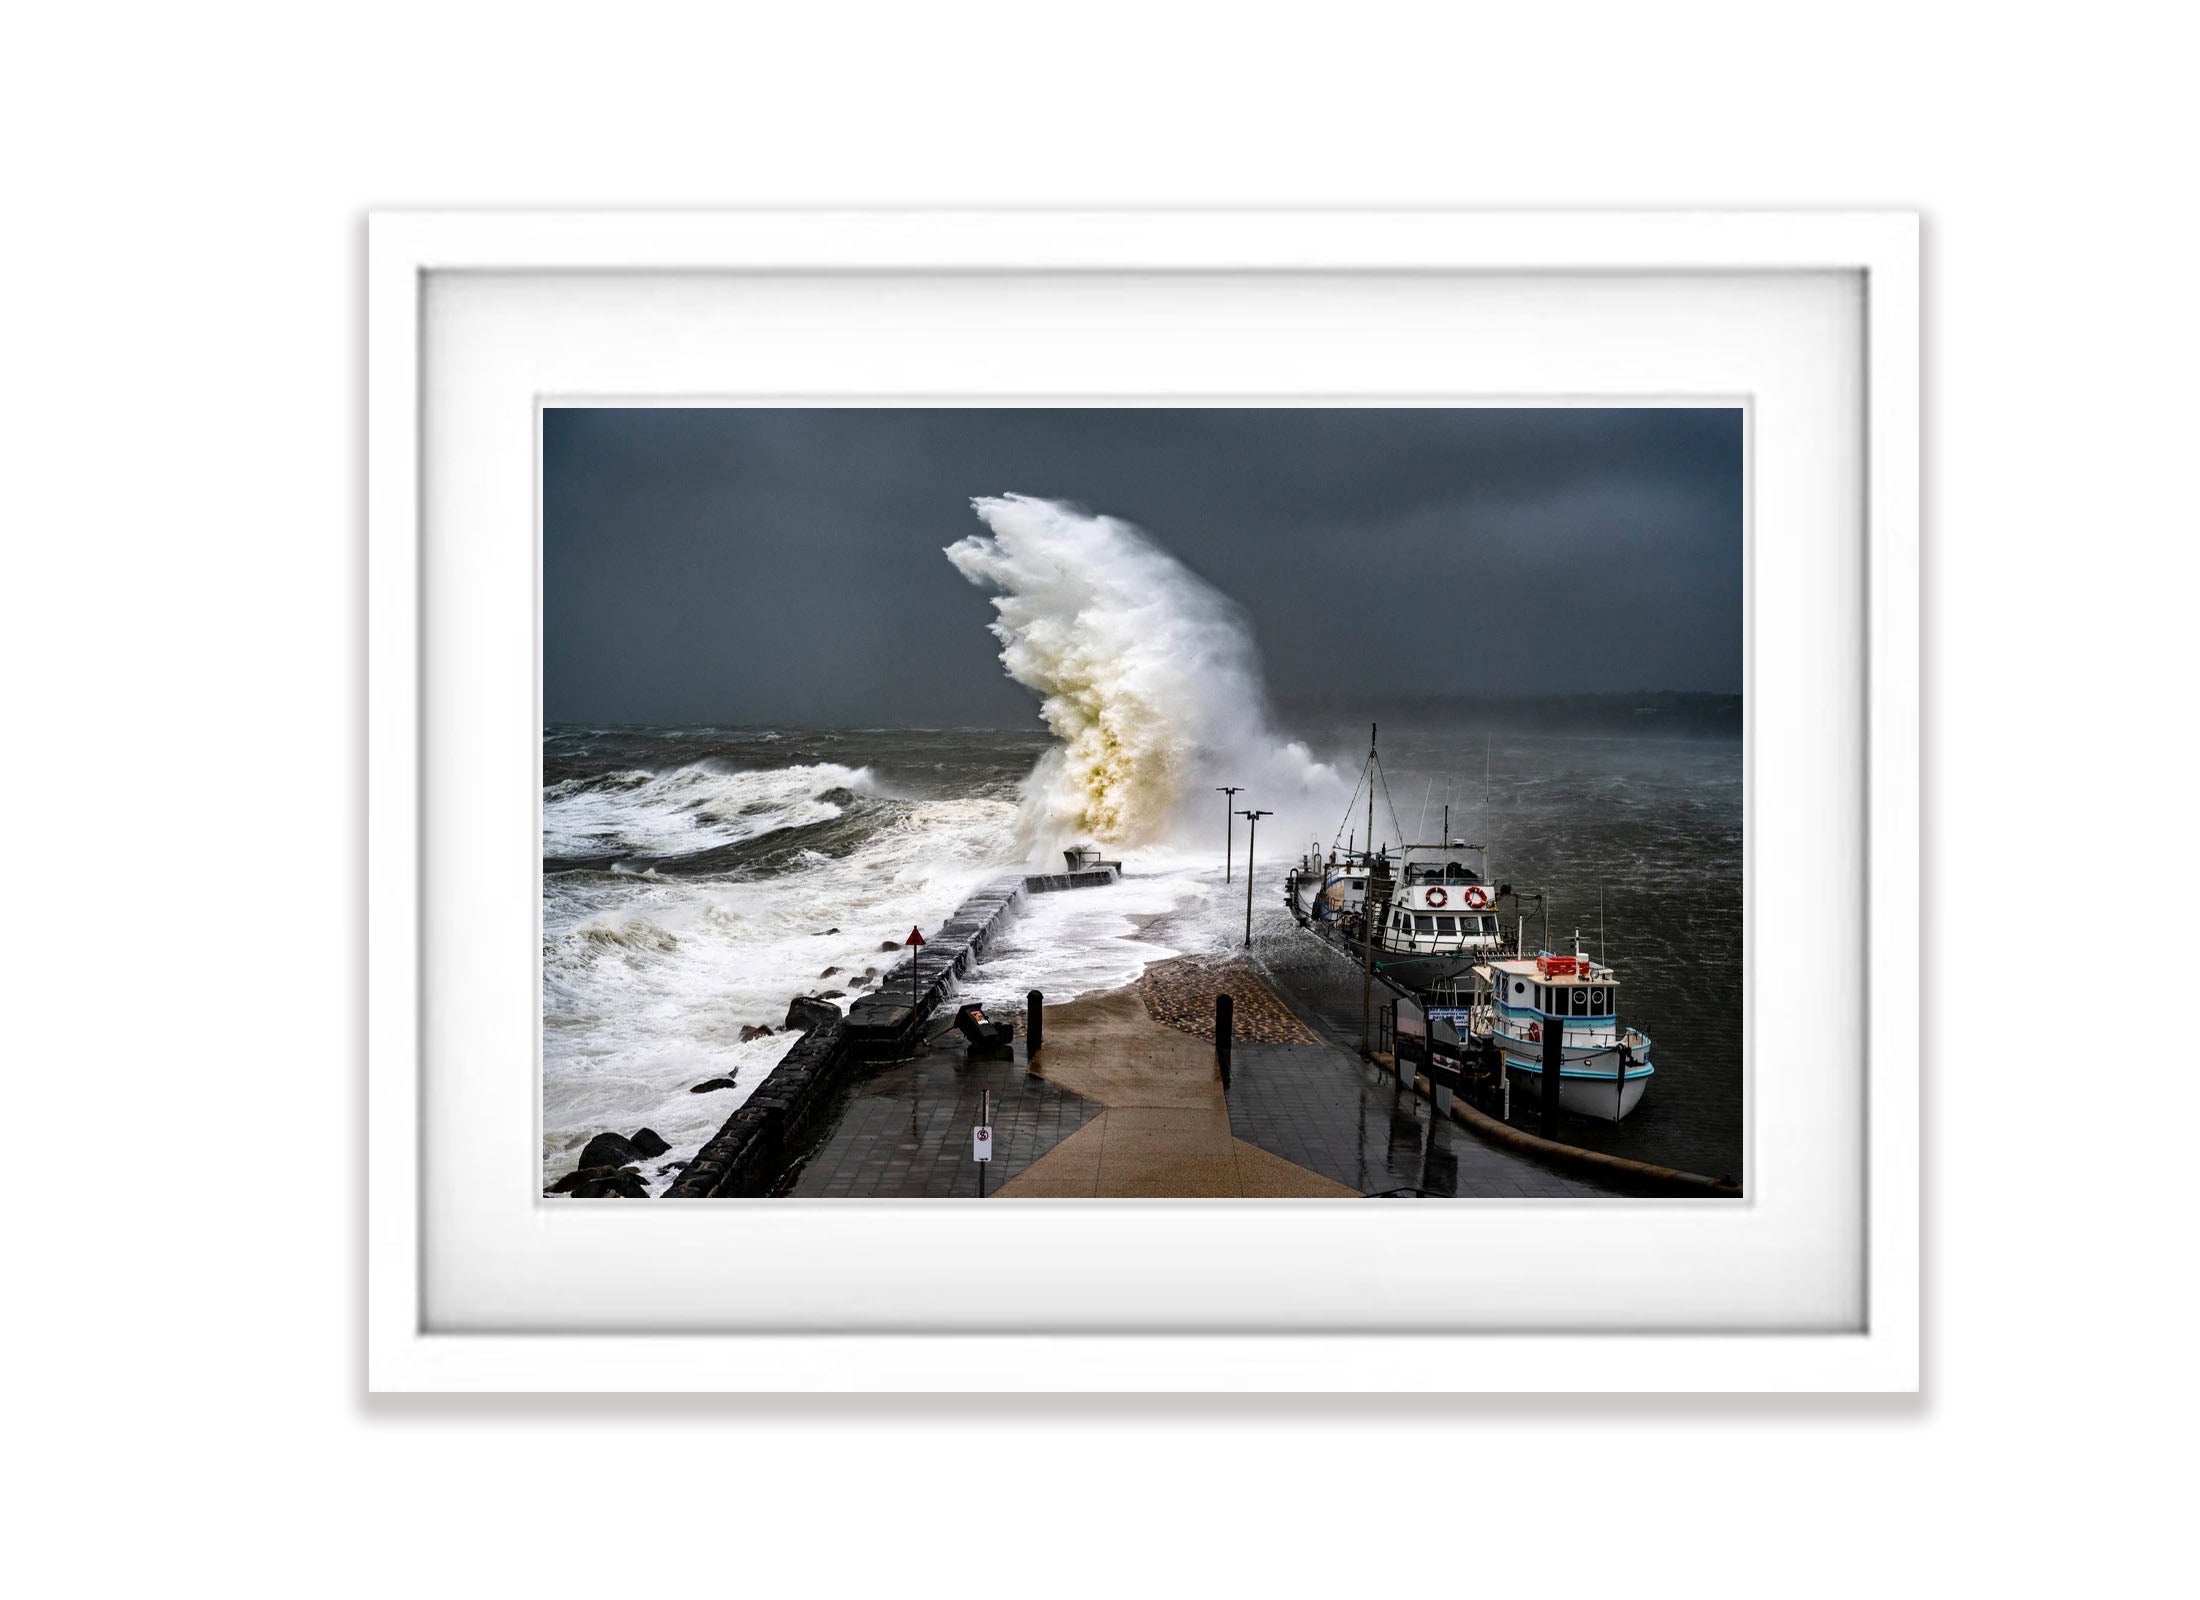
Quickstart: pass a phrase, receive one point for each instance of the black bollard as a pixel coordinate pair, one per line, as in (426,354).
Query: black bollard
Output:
(1034,1028)
(1554,1061)
(1223,1010)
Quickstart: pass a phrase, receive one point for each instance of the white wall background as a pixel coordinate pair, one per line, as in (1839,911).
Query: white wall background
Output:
(181,500)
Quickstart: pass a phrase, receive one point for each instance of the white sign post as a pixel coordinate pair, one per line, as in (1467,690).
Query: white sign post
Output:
(981,1138)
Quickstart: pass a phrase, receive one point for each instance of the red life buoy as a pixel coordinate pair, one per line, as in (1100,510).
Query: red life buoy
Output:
(1436,897)
(1476,899)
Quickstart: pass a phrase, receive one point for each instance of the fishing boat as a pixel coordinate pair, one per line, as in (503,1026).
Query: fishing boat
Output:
(1434,916)
(1524,1006)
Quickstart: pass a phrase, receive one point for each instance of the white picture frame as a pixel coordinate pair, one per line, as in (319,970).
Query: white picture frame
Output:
(839,1344)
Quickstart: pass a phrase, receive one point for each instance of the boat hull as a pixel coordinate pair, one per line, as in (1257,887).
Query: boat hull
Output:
(1584,1091)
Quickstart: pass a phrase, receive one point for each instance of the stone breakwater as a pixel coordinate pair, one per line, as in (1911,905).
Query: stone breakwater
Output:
(747,1154)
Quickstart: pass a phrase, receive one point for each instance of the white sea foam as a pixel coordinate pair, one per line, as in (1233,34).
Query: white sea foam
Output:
(647,983)
(690,808)
(1146,674)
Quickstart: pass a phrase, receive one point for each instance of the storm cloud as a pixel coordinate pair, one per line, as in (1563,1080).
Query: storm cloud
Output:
(747,566)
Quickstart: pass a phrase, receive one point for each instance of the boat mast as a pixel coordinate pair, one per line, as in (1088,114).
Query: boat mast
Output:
(1371,788)
(1492,877)
(1367,911)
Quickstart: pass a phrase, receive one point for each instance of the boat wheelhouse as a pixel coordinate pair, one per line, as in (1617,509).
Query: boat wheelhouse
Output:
(1520,1005)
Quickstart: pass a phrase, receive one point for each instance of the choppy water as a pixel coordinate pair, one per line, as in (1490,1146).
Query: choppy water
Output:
(697,879)
(1648,808)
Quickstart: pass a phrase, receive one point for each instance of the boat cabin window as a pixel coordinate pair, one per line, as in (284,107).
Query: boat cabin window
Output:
(1424,923)
(1447,925)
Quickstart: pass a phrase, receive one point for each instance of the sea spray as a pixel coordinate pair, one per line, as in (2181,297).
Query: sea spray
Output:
(1146,675)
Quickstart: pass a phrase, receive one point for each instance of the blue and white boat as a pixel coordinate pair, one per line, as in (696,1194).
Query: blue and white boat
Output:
(1517,1004)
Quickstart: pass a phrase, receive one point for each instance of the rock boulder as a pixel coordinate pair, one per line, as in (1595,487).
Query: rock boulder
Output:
(804,1013)
(609,1150)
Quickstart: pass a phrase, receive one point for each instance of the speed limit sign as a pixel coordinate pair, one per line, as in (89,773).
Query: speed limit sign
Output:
(981,1143)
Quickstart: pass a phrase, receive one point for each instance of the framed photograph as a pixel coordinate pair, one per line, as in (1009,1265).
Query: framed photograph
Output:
(950,792)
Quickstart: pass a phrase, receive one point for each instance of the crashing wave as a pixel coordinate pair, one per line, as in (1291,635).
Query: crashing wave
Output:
(1146,675)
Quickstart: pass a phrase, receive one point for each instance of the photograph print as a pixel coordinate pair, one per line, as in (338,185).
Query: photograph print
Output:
(1042,803)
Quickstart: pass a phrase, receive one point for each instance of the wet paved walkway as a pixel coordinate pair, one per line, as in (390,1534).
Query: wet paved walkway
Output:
(1165,1133)
(1122,1105)
(1323,1108)
(905,1129)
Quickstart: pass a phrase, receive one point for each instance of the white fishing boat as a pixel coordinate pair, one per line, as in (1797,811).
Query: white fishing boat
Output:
(1435,915)
(1517,1005)
(1433,919)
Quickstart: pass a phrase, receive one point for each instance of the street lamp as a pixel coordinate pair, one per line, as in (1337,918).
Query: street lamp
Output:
(1228,794)
(1252,833)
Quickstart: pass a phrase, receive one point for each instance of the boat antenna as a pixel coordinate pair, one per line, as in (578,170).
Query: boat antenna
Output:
(1602,949)
(1422,821)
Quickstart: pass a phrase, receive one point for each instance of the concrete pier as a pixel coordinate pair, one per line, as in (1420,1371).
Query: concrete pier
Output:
(1090,878)
(887,1021)
(759,1143)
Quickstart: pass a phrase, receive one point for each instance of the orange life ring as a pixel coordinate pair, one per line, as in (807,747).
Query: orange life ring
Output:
(1476,899)
(1436,897)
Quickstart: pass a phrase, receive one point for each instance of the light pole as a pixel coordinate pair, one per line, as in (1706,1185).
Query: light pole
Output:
(1252,833)
(1228,794)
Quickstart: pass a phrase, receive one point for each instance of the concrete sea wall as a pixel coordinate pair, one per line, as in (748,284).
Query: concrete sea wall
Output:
(749,1152)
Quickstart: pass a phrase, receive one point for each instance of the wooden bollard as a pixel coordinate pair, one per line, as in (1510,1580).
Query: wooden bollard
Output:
(1034,1026)
(1223,1008)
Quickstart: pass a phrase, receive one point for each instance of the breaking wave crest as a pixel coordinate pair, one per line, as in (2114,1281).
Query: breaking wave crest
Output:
(690,810)
(1146,675)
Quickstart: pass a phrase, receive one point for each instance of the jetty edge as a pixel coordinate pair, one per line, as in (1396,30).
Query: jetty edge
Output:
(1640,1178)
(746,1155)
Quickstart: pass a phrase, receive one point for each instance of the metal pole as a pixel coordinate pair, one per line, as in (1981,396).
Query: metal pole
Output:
(1554,1064)
(1252,833)
(1228,793)
(1034,1025)
(1367,960)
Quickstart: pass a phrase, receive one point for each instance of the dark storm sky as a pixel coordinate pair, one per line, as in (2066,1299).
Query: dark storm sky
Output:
(784,566)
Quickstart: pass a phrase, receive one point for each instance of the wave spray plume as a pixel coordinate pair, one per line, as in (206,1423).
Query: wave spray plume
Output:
(1145,673)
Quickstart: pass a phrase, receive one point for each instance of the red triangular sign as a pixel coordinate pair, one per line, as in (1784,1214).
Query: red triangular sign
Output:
(914,937)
